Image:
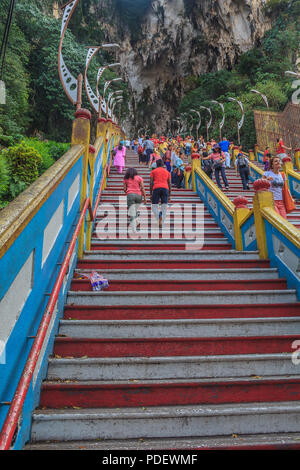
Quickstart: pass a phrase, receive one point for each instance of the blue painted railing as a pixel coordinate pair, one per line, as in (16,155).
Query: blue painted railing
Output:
(220,207)
(283,243)
(43,219)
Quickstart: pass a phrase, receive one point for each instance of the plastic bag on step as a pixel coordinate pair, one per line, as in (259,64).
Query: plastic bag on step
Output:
(98,282)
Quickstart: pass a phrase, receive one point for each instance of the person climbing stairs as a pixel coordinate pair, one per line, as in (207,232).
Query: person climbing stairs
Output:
(188,348)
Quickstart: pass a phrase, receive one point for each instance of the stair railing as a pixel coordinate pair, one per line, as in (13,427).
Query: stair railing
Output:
(277,239)
(235,219)
(12,421)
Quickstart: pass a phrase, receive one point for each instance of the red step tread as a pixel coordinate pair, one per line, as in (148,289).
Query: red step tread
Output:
(84,285)
(154,347)
(144,312)
(163,394)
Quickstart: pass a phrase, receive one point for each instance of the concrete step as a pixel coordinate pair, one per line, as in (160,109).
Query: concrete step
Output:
(185,274)
(89,262)
(155,244)
(163,311)
(135,285)
(181,298)
(167,255)
(172,367)
(165,422)
(71,347)
(126,393)
(178,328)
(268,441)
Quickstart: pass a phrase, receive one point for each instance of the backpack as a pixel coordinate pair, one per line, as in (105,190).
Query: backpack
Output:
(140,149)
(207,165)
(242,161)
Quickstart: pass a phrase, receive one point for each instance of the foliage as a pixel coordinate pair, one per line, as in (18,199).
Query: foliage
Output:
(36,100)
(4,177)
(23,162)
(262,68)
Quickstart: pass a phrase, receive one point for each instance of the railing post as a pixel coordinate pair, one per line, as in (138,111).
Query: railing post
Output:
(251,155)
(81,135)
(262,198)
(287,165)
(240,214)
(196,163)
(92,151)
(256,152)
(297,158)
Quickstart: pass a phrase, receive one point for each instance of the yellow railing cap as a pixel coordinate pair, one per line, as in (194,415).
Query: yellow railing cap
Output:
(294,174)
(282,225)
(256,168)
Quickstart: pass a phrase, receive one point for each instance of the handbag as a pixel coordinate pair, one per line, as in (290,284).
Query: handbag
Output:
(287,198)
(217,165)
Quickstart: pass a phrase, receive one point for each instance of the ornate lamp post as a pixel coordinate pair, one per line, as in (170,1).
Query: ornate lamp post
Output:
(199,123)
(241,122)
(221,125)
(262,95)
(94,99)
(209,123)
(71,86)
(100,72)
(112,96)
(106,85)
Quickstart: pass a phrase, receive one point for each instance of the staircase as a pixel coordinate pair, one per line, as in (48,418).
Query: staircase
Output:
(186,349)
(236,189)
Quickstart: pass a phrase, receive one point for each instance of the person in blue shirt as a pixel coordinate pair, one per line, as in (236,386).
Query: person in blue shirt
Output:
(224,145)
(178,172)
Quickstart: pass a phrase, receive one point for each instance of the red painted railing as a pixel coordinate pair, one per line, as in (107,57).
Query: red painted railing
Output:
(13,415)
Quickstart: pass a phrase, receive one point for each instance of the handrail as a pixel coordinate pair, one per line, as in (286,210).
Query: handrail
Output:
(256,168)
(293,173)
(284,226)
(11,421)
(225,201)
(14,412)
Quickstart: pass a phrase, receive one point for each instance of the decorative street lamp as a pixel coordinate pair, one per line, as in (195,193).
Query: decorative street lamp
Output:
(112,96)
(292,74)
(94,98)
(209,123)
(106,85)
(100,72)
(241,122)
(221,125)
(71,86)
(199,123)
(262,95)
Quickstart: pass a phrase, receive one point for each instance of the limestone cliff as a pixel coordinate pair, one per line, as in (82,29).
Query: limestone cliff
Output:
(163,41)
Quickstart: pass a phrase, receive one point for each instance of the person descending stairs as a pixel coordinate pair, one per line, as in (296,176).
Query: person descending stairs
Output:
(190,346)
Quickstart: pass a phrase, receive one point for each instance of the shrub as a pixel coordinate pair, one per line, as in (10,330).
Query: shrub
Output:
(23,163)
(4,177)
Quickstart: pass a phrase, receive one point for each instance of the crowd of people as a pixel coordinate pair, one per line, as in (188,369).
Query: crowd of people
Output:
(167,157)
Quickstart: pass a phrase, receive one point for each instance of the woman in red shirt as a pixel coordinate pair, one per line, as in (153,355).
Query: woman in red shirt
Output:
(281,149)
(133,186)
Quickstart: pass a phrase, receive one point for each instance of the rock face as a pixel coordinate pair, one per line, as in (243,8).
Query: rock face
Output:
(168,40)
